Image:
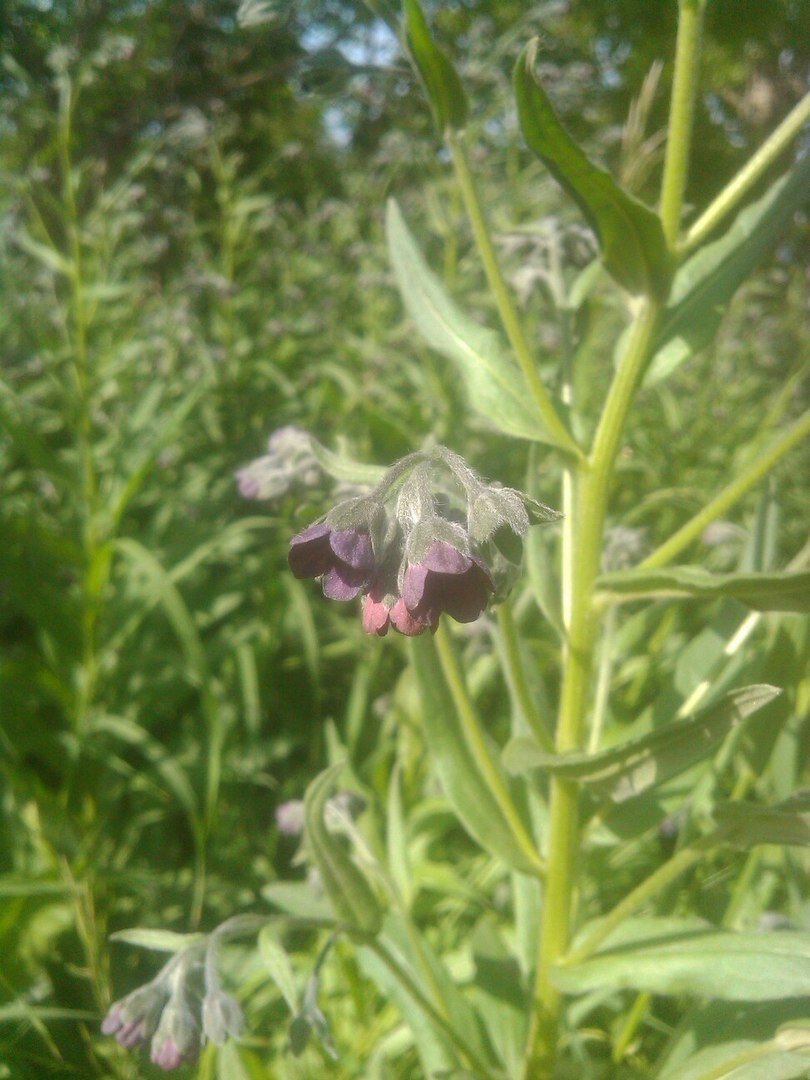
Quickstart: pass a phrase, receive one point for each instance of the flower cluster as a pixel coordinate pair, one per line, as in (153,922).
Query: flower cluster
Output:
(172,1012)
(424,542)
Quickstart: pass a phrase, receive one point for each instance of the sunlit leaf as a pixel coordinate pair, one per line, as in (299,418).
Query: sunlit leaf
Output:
(159,940)
(669,956)
(493,381)
(626,770)
(707,281)
(442,84)
(630,235)
(746,824)
(786,591)
(343,882)
(460,771)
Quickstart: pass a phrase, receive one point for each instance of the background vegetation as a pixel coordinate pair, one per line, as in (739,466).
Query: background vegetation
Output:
(193,256)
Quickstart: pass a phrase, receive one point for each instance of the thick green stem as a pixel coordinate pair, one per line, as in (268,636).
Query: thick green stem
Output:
(728,496)
(733,193)
(506,309)
(593,488)
(681,116)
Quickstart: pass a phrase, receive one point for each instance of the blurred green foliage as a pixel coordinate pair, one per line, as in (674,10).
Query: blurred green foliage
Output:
(192,256)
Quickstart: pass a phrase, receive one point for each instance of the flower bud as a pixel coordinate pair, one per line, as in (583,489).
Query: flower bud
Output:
(177,1038)
(222,1016)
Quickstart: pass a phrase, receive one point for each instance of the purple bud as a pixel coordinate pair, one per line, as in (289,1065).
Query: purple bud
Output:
(167,1054)
(290,817)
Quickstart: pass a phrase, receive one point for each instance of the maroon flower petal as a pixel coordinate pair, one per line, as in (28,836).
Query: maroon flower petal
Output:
(343,583)
(375,616)
(413,585)
(463,598)
(410,624)
(443,558)
(310,554)
(353,548)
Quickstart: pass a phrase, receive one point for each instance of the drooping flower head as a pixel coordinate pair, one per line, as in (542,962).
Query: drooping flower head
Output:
(426,541)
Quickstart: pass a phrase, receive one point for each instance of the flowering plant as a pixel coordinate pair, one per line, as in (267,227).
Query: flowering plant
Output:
(548,806)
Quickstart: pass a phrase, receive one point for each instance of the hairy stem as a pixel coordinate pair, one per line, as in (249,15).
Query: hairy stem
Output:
(681,116)
(734,192)
(506,309)
(729,495)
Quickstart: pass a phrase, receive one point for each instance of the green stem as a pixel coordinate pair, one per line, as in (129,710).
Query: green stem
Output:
(731,1065)
(469,1057)
(759,163)
(594,485)
(681,116)
(93,582)
(506,309)
(728,496)
(635,899)
(516,676)
(478,747)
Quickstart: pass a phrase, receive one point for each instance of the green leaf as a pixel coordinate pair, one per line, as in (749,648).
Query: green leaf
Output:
(494,383)
(459,771)
(344,468)
(669,956)
(720,1031)
(347,888)
(159,940)
(786,591)
(297,899)
(442,84)
(745,824)
(632,767)
(707,281)
(630,235)
(277,962)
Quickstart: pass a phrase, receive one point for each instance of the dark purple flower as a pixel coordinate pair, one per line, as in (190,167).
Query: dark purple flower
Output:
(445,579)
(342,557)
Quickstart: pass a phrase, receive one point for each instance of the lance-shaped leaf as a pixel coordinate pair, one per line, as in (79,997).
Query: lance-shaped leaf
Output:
(344,884)
(630,235)
(788,591)
(630,768)
(745,824)
(706,282)
(494,384)
(669,956)
(469,782)
(442,84)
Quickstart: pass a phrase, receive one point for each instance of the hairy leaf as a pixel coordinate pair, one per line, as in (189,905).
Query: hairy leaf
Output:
(630,235)
(494,383)
(347,888)
(787,591)
(442,84)
(669,956)
(634,766)
(707,281)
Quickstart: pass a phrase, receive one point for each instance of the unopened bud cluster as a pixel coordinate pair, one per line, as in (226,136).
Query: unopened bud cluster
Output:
(425,541)
(178,1010)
